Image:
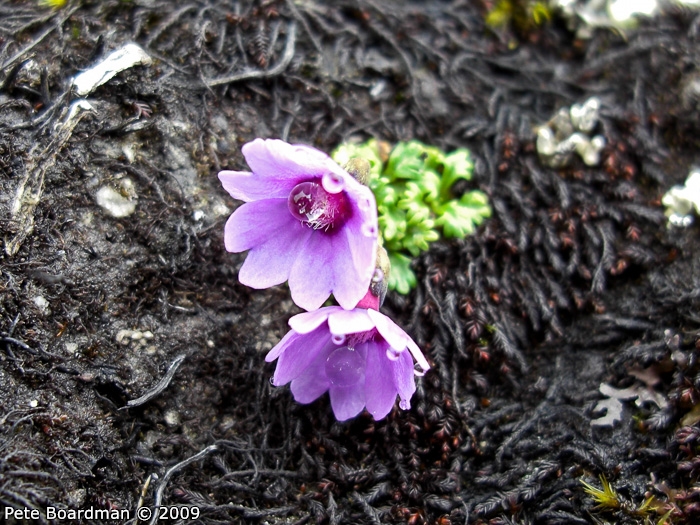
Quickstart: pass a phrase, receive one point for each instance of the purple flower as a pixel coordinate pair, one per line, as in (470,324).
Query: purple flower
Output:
(305,220)
(359,356)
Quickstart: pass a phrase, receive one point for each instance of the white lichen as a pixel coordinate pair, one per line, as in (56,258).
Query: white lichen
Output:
(569,132)
(682,200)
(119,203)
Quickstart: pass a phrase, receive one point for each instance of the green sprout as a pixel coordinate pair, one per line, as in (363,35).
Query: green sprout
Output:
(607,499)
(54,4)
(523,15)
(413,187)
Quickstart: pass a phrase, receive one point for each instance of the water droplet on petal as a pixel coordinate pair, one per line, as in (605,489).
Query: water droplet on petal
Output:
(418,373)
(345,367)
(272,380)
(392,355)
(307,201)
(369,230)
(338,339)
(404,404)
(378,276)
(364,204)
(333,183)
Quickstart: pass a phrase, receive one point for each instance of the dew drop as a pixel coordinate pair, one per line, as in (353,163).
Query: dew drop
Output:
(272,380)
(392,355)
(364,204)
(378,276)
(369,230)
(338,339)
(404,404)
(418,373)
(345,367)
(307,201)
(333,183)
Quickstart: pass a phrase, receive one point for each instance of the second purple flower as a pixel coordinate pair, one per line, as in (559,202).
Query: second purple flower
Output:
(358,356)
(306,220)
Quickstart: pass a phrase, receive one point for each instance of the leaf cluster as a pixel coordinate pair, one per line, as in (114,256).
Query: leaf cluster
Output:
(413,186)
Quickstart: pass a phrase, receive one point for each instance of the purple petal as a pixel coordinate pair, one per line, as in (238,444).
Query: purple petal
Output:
(311,275)
(289,338)
(247,186)
(349,322)
(356,246)
(380,387)
(300,353)
(347,401)
(389,330)
(312,382)
(352,271)
(418,355)
(279,160)
(309,321)
(256,222)
(269,263)
(404,379)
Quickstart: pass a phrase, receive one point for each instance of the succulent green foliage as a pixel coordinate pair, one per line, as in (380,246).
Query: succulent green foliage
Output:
(416,205)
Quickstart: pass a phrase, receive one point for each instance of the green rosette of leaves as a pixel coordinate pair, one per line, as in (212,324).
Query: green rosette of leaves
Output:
(415,202)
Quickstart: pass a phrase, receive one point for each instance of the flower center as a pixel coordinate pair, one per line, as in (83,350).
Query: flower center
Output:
(310,203)
(345,367)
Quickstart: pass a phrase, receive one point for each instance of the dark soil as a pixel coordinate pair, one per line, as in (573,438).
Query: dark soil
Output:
(575,281)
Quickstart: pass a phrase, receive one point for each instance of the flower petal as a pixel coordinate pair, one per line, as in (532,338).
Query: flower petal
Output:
(247,186)
(312,382)
(397,338)
(279,160)
(288,339)
(380,386)
(352,272)
(418,355)
(268,264)
(255,222)
(311,275)
(389,330)
(341,322)
(300,353)
(356,248)
(404,379)
(308,321)
(347,401)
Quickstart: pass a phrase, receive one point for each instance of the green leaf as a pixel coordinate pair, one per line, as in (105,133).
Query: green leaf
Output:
(411,197)
(458,165)
(460,218)
(418,238)
(401,277)
(406,161)
(420,217)
(392,222)
(384,192)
